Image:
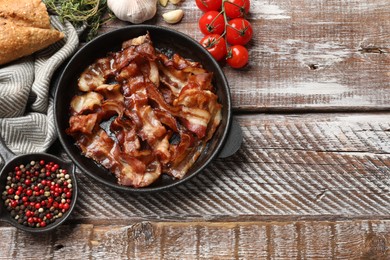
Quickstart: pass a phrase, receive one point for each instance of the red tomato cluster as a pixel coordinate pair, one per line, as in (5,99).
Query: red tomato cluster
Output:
(226,30)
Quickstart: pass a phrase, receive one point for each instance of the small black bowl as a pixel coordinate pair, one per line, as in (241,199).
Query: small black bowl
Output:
(11,161)
(167,41)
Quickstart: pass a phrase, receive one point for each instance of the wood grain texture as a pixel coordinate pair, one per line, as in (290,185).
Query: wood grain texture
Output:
(309,165)
(358,239)
(307,55)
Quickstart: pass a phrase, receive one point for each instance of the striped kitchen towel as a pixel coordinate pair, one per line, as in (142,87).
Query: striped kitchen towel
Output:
(26,100)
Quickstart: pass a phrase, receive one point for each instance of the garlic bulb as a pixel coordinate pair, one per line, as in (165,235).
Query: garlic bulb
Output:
(134,11)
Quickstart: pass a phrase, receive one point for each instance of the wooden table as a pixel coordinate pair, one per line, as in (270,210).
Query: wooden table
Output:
(311,180)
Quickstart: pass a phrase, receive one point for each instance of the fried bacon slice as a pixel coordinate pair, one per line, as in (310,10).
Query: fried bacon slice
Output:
(96,74)
(85,102)
(83,124)
(141,114)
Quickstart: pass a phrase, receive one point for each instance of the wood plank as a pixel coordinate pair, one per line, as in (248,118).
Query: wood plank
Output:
(28,246)
(66,242)
(317,240)
(356,243)
(307,54)
(7,242)
(72,242)
(253,241)
(211,244)
(289,165)
(283,241)
(358,239)
(177,242)
(109,242)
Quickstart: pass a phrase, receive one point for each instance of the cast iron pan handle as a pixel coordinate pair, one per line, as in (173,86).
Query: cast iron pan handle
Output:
(233,140)
(5,152)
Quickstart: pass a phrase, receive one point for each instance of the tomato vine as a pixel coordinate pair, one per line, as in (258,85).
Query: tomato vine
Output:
(233,30)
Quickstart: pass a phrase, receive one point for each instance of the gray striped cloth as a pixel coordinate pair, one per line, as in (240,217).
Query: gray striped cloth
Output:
(26,100)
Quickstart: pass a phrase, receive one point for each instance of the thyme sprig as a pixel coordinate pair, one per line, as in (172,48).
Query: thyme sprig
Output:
(81,12)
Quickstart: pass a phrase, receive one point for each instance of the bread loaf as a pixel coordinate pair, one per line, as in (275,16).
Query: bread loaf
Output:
(24,29)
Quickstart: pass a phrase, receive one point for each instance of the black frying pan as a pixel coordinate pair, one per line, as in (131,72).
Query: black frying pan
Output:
(166,40)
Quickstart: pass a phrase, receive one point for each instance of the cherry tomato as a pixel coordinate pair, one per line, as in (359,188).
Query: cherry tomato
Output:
(215,44)
(212,22)
(209,5)
(236,8)
(237,56)
(239,31)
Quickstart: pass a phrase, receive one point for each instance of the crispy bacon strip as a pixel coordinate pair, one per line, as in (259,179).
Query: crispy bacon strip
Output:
(83,124)
(96,74)
(84,102)
(143,114)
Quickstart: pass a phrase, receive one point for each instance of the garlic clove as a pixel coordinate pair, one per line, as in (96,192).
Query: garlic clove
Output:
(163,2)
(175,2)
(173,16)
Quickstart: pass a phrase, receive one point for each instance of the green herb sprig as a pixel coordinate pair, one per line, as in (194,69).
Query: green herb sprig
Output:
(81,12)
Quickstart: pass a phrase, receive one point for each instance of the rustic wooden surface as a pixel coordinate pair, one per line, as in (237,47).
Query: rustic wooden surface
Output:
(358,239)
(311,180)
